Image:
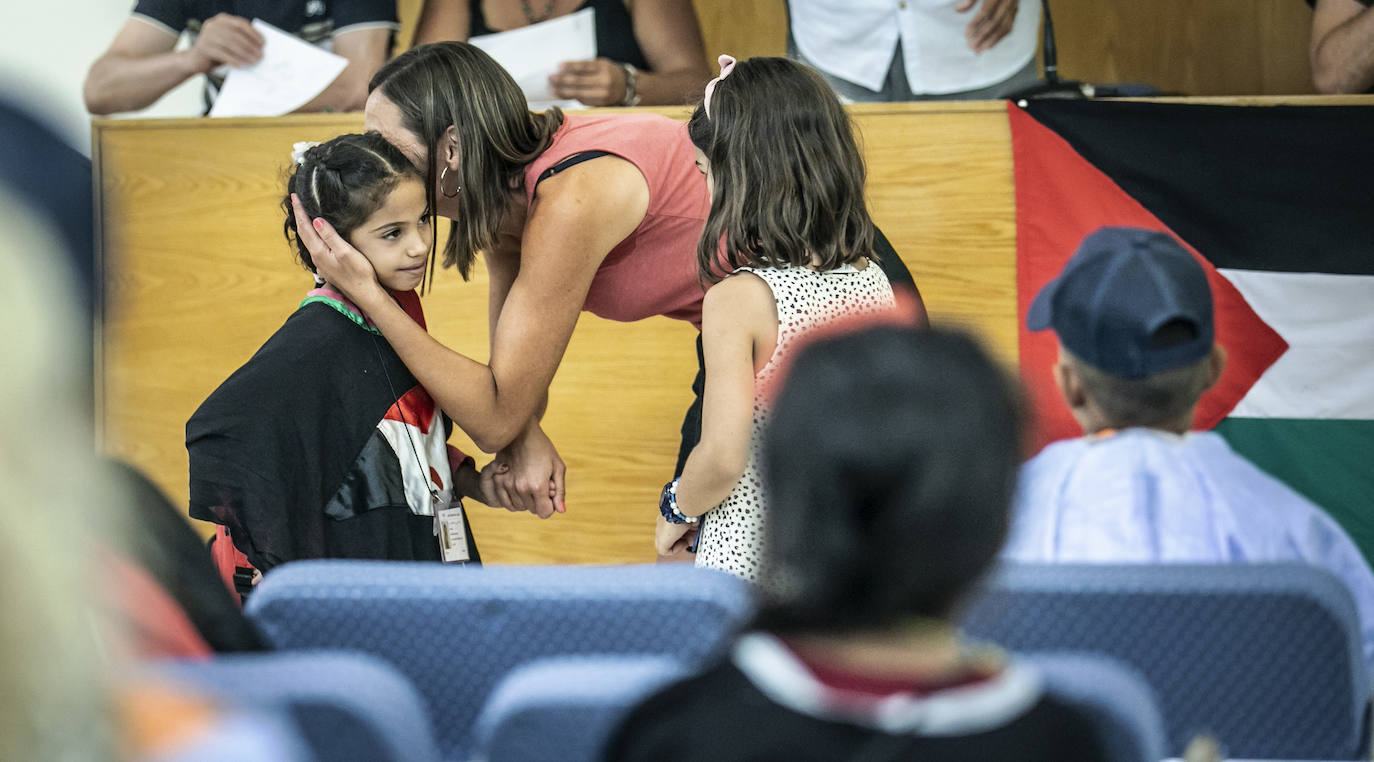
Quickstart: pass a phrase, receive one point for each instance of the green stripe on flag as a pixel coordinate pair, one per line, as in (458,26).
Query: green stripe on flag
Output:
(1329,461)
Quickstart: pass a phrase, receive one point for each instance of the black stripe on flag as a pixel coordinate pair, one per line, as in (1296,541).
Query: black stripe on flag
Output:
(1281,188)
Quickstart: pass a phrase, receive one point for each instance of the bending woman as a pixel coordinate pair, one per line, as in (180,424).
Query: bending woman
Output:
(595,212)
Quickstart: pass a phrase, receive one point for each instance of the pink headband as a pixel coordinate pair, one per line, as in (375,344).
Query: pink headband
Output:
(727,65)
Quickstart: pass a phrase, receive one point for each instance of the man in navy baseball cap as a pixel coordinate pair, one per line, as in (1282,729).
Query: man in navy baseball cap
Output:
(1133,313)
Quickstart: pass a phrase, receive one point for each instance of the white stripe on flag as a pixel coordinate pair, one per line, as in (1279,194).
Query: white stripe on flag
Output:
(1328,322)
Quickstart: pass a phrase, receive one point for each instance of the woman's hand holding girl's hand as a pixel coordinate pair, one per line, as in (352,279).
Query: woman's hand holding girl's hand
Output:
(468,481)
(486,484)
(535,481)
(341,265)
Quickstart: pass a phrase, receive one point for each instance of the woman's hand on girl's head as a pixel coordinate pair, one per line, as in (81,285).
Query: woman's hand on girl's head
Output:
(341,265)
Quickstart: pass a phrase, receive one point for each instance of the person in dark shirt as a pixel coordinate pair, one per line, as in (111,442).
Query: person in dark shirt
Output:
(891,457)
(649,52)
(142,63)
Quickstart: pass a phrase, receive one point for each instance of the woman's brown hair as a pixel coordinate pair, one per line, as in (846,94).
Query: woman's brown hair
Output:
(454,84)
(788,175)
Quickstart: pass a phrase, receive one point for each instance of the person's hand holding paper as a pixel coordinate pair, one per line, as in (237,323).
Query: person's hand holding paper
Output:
(534,54)
(288,75)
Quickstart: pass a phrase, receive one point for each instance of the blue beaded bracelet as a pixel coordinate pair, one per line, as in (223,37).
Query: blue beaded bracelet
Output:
(667,505)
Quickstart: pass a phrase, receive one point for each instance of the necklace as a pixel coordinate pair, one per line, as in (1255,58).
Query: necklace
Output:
(529,12)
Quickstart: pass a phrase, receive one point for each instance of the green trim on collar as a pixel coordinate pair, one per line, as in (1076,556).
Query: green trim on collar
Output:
(342,308)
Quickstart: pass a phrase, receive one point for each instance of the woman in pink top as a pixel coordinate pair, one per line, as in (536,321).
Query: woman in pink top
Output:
(573,212)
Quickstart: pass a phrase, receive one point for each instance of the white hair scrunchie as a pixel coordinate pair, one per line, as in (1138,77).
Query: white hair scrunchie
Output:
(298,150)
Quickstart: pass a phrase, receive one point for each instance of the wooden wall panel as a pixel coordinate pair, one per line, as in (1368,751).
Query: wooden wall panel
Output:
(743,28)
(199,276)
(1219,47)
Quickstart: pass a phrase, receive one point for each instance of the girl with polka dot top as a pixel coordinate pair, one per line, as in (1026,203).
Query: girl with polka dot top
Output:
(787,202)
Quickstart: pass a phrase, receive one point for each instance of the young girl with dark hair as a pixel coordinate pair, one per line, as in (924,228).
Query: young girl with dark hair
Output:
(787,198)
(323,445)
(891,460)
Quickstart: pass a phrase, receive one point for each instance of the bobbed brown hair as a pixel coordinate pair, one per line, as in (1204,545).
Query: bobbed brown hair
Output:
(788,175)
(454,84)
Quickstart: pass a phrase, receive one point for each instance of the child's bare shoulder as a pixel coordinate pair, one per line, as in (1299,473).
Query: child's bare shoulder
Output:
(741,299)
(739,285)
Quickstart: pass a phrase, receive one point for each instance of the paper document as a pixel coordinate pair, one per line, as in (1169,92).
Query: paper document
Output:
(290,73)
(532,53)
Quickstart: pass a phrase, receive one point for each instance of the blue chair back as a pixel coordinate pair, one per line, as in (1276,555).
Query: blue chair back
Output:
(1267,658)
(346,706)
(456,631)
(1116,697)
(565,709)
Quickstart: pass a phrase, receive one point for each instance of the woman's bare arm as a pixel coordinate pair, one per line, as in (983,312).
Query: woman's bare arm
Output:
(442,20)
(577,218)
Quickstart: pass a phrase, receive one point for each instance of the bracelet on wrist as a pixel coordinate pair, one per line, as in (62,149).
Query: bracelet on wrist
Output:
(632,96)
(667,506)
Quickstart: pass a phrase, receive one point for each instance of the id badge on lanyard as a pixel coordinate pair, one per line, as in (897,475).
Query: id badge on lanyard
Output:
(453,534)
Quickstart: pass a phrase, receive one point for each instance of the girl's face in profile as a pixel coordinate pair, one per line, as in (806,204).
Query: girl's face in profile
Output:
(397,237)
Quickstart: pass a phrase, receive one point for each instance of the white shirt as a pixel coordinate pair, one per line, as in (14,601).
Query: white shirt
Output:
(855,40)
(1143,495)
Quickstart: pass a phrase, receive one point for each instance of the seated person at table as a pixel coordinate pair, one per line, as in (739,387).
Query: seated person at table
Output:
(891,458)
(649,52)
(142,63)
(323,445)
(1133,314)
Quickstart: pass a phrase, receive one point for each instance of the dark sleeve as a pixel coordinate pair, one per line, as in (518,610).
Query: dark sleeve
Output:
(250,506)
(349,13)
(169,13)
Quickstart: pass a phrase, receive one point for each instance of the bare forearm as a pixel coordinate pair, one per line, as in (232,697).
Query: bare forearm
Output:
(708,477)
(119,83)
(1343,62)
(465,389)
(671,88)
(348,92)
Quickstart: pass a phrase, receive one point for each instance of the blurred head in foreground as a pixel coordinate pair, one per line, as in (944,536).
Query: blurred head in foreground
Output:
(891,459)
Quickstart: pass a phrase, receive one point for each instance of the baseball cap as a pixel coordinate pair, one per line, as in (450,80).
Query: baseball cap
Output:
(1130,302)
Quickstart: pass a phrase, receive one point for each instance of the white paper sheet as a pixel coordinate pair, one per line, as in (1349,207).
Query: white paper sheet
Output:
(290,73)
(532,53)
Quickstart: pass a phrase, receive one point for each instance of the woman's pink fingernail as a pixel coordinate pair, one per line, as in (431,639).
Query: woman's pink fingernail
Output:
(319,224)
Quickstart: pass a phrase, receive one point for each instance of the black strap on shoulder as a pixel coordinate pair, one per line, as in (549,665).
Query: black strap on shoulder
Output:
(569,161)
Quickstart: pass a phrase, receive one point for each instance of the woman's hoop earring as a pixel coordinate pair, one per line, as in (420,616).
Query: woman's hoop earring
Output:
(443,174)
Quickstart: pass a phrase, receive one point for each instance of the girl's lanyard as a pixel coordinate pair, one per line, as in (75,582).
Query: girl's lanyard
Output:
(449,526)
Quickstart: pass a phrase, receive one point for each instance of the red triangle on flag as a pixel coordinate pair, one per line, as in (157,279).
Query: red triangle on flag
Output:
(1060,199)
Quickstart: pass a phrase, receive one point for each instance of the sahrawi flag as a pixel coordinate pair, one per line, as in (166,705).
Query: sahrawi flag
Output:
(1278,205)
